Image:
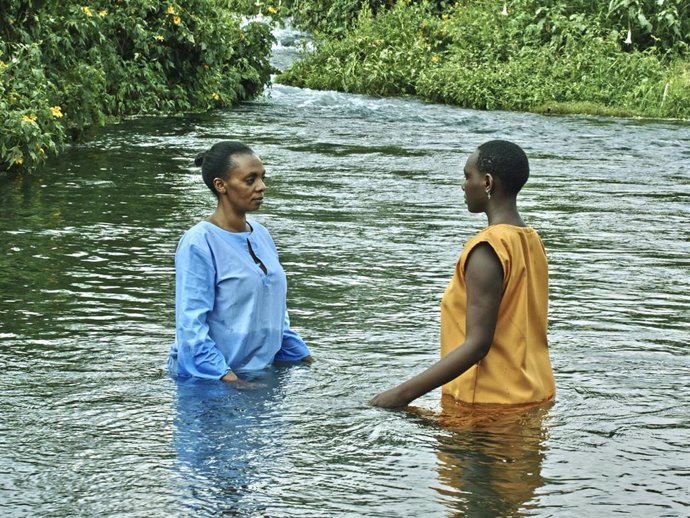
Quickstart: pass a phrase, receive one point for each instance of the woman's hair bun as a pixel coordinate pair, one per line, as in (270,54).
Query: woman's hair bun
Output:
(199,160)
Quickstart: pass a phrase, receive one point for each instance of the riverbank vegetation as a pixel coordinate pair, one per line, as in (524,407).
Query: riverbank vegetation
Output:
(68,67)
(619,57)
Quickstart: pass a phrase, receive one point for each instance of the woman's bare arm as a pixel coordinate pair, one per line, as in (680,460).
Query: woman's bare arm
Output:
(484,279)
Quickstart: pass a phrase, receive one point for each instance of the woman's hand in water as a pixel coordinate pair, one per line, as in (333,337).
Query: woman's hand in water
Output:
(238,383)
(393,398)
(230,377)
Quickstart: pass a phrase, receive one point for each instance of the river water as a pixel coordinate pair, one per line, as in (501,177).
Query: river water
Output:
(365,205)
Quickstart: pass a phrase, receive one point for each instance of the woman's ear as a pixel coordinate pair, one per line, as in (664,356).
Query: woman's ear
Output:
(489,182)
(219,185)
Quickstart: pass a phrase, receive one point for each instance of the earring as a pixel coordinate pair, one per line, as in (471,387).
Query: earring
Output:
(488,193)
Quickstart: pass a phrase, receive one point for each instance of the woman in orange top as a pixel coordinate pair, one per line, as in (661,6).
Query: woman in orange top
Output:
(494,312)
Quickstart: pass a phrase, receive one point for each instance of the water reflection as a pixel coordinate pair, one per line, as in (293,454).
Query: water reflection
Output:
(489,460)
(226,440)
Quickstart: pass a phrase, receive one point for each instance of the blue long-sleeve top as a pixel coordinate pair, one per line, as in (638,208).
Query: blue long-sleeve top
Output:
(229,313)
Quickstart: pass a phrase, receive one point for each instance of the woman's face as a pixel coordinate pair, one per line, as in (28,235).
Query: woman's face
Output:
(475,185)
(245,185)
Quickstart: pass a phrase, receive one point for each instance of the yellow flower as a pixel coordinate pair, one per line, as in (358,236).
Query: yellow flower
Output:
(215,96)
(445,17)
(56,111)
(205,66)
(272,9)
(177,20)
(29,118)
(40,149)
(171,9)
(102,13)
(436,58)
(159,37)
(19,160)
(87,11)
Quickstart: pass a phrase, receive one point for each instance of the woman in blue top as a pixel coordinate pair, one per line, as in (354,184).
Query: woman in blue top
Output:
(230,289)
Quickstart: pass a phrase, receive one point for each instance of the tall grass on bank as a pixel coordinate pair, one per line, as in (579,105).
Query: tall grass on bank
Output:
(67,67)
(511,56)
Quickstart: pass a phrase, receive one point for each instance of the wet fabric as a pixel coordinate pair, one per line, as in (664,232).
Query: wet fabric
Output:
(517,368)
(230,314)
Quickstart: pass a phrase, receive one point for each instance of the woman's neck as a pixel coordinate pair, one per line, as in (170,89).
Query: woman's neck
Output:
(505,213)
(229,221)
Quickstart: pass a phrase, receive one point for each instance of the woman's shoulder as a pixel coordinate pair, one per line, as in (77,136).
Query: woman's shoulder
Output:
(505,237)
(200,230)
(503,231)
(197,236)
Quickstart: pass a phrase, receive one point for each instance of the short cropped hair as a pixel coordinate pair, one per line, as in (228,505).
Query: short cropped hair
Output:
(217,162)
(505,160)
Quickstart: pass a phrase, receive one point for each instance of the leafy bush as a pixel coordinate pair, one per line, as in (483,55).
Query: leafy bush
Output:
(333,17)
(68,67)
(663,24)
(530,55)
(30,123)
(495,61)
(382,55)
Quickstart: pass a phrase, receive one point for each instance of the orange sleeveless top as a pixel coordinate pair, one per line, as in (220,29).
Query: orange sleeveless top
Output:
(517,368)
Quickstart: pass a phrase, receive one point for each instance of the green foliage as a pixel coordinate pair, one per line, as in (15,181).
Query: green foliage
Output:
(67,67)
(30,129)
(522,55)
(333,17)
(653,23)
(336,17)
(663,24)
(497,61)
(382,55)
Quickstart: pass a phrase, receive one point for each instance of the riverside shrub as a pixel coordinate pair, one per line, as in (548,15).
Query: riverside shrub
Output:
(539,56)
(381,55)
(67,67)
(495,61)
